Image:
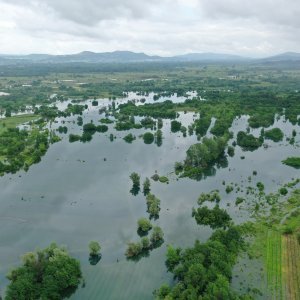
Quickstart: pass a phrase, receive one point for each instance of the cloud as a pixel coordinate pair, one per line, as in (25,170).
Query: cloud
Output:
(281,12)
(90,12)
(162,27)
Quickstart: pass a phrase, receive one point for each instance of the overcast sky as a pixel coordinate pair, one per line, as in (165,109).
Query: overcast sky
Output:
(162,27)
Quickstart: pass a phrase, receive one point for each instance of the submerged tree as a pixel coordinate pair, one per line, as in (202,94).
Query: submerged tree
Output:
(146,186)
(135,183)
(45,274)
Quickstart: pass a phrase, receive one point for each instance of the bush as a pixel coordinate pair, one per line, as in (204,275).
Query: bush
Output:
(163,179)
(175,126)
(157,235)
(94,248)
(144,225)
(148,138)
(129,138)
(283,191)
(274,134)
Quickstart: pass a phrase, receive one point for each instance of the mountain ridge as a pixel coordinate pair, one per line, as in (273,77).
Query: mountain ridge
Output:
(129,56)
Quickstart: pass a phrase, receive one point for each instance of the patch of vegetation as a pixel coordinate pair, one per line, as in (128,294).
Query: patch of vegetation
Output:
(201,156)
(19,149)
(153,205)
(175,126)
(215,218)
(106,121)
(292,162)
(201,272)
(144,225)
(135,177)
(35,278)
(248,141)
(275,134)
(129,138)
(213,196)
(163,179)
(146,186)
(148,138)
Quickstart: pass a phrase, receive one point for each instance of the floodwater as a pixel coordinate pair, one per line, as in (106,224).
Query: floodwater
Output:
(81,192)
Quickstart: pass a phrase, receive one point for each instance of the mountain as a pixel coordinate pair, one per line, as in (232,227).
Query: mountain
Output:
(87,56)
(130,57)
(212,57)
(287,56)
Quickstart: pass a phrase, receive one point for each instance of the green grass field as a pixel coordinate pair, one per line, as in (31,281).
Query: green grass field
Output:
(14,121)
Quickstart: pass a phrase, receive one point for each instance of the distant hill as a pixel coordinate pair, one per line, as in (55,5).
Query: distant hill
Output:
(130,57)
(208,57)
(287,56)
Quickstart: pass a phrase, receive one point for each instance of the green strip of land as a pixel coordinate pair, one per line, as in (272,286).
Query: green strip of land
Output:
(14,121)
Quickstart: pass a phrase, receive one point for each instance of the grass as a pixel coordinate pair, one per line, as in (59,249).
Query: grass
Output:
(292,162)
(277,242)
(14,121)
(291,269)
(163,179)
(274,263)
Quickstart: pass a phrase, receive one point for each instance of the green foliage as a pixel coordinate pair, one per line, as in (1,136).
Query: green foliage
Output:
(145,243)
(201,271)
(213,196)
(144,225)
(239,200)
(261,118)
(35,278)
(94,248)
(202,125)
(74,138)
(63,129)
(201,157)
(274,134)
(86,136)
(160,123)
(146,186)
(283,191)
(19,149)
(133,249)
(135,183)
(148,122)
(260,186)
(229,189)
(230,151)
(153,205)
(129,138)
(106,121)
(292,162)
(163,179)
(248,141)
(215,217)
(101,128)
(148,138)
(175,126)
(90,127)
(79,121)
(158,137)
(157,235)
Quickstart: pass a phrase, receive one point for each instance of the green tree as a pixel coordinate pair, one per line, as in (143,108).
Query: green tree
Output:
(148,138)
(144,224)
(94,248)
(157,235)
(146,186)
(35,278)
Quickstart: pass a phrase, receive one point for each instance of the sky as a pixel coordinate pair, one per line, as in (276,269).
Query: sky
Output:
(255,28)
